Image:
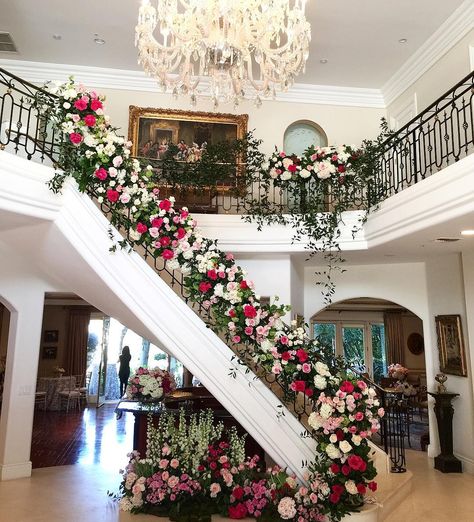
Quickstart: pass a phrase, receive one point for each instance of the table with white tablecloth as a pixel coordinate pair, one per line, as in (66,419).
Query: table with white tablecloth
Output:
(52,386)
(112,388)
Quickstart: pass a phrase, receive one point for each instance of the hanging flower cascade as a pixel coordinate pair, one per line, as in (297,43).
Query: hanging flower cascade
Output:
(346,412)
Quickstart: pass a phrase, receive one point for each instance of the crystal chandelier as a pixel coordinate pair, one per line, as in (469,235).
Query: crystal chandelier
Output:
(247,48)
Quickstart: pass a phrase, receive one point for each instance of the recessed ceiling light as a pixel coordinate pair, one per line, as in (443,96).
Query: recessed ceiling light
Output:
(57,36)
(323,61)
(468,232)
(403,40)
(99,41)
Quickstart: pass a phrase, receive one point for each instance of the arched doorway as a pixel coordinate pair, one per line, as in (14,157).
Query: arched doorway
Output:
(373,334)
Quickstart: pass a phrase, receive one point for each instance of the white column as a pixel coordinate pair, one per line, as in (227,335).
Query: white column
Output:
(16,422)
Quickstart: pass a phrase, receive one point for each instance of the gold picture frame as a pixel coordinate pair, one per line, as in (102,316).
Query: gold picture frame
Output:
(171,125)
(452,357)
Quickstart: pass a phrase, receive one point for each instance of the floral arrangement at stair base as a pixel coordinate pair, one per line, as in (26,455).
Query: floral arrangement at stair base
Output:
(150,385)
(100,161)
(194,468)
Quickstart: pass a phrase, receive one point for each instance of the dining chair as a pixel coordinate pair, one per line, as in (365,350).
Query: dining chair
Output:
(71,395)
(40,398)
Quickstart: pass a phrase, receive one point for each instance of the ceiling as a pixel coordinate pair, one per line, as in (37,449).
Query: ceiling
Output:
(360,39)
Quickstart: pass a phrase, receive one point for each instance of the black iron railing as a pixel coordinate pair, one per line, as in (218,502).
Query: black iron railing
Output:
(439,136)
(24,129)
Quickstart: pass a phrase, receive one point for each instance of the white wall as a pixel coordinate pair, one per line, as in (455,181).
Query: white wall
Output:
(341,124)
(445,286)
(443,75)
(22,291)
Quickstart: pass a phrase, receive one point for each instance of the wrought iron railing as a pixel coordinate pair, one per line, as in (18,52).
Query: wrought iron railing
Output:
(439,136)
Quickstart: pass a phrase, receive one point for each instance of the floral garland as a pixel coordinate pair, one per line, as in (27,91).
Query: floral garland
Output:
(100,161)
(146,384)
(318,163)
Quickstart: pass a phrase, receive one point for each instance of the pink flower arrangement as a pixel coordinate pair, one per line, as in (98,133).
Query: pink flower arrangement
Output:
(148,384)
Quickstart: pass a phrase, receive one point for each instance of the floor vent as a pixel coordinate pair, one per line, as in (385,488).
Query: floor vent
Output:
(7,45)
(447,239)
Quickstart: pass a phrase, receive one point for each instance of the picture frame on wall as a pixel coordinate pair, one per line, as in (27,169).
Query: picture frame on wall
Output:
(452,357)
(152,130)
(50,352)
(50,336)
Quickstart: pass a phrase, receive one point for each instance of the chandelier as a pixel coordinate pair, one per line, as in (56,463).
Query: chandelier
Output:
(246,48)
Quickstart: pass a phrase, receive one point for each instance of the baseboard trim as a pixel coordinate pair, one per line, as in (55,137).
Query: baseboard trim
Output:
(15,471)
(467,463)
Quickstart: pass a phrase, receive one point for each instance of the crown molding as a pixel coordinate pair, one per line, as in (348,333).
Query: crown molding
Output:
(437,45)
(97,77)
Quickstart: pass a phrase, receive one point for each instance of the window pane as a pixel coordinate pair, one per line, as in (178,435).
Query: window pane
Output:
(325,333)
(353,345)
(378,352)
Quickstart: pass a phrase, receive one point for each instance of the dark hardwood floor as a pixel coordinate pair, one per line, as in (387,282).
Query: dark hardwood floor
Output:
(91,436)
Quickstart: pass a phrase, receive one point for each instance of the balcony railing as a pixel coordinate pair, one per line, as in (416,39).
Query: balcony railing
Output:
(440,135)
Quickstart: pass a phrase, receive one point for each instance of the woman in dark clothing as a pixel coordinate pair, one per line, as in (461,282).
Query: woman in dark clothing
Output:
(124,370)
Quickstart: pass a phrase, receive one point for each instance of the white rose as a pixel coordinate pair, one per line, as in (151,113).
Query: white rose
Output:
(286,176)
(351,487)
(345,446)
(356,439)
(66,105)
(326,411)
(322,369)
(287,162)
(305,173)
(315,421)
(333,438)
(333,452)
(320,382)
(273,173)
(266,345)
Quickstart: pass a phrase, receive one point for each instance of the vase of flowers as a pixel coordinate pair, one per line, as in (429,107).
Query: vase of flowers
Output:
(150,385)
(397,371)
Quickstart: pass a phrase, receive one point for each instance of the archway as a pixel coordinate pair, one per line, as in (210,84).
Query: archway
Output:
(373,334)
(4,331)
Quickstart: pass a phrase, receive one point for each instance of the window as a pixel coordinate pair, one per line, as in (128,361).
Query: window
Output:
(362,343)
(301,134)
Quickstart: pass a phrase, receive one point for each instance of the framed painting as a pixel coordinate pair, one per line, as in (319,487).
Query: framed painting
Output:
(50,336)
(452,358)
(50,352)
(152,130)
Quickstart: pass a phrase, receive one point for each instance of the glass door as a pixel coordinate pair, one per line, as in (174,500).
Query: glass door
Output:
(97,348)
(102,377)
(353,345)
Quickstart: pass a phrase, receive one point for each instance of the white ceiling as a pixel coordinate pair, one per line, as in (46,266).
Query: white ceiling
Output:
(359,38)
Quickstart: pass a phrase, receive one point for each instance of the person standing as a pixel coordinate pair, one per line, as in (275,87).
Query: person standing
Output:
(124,369)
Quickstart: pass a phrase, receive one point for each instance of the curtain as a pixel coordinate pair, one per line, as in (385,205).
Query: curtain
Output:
(76,341)
(394,337)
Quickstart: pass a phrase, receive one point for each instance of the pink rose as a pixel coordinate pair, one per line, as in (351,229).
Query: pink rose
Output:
(359,416)
(124,198)
(306,368)
(117,161)
(165,204)
(80,104)
(236,339)
(90,120)
(75,138)
(112,195)
(101,173)
(167,254)
(174,463)
(141,228)
(96,104)
(248,330)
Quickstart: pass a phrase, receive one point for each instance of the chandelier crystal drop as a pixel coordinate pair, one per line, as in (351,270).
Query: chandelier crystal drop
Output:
(247,48)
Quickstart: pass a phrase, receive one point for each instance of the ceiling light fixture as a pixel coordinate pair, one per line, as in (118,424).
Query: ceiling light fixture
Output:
(468,232)
(57,37)
(98,40)
(403,40)
(323,61)
(180,41)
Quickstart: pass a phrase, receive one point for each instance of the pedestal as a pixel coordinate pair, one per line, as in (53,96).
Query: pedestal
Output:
(445,461)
